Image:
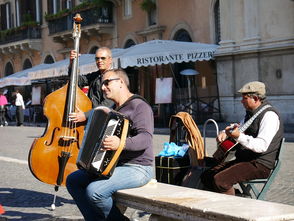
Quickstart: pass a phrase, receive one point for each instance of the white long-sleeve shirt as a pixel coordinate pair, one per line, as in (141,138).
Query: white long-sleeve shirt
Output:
(269,126)
(19,100)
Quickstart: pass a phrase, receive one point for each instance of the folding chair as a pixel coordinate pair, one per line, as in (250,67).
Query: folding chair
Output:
(248,186)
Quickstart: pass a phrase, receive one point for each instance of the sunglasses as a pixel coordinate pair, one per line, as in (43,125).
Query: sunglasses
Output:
(100,58)
(107,81)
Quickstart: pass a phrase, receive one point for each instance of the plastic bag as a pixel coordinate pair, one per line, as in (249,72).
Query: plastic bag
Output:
(171,149)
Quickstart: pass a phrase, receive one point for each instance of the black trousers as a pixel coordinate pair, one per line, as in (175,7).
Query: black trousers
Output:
(19,115)
(2,117)
(223,176)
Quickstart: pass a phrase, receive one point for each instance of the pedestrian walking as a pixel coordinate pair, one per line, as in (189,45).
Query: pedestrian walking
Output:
(3,102)
(19,103)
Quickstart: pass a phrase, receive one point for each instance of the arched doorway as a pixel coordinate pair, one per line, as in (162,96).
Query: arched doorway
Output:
(49,60)
(181,81)
(8,69)
(27,64)
(93,50)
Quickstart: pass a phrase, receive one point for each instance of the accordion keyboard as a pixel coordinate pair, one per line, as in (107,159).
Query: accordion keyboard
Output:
(100,155)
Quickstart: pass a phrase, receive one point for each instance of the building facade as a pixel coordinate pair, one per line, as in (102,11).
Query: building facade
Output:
(40,31)
(257,43)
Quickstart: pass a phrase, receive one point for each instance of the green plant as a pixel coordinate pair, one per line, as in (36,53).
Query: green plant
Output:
(148,5)
(27,17)
(58,15)
(81,7)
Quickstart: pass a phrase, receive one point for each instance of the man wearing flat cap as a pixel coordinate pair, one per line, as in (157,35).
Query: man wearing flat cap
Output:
(258,139)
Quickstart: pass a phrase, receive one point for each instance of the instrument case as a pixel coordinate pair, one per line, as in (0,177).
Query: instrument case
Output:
(172,169)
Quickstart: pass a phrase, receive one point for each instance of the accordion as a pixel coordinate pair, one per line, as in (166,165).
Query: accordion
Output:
(102,122)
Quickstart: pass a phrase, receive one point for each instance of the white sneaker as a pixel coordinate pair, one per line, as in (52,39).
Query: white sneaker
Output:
(1,126)
(6,123)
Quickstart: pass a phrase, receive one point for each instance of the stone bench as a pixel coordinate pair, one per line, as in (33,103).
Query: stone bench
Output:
(169,202)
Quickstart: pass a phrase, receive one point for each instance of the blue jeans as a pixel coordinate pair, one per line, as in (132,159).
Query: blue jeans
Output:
(93,196)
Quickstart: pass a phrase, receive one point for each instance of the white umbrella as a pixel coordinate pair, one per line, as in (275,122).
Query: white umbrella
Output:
(21,77)
(60,68)
(87,64)
(158,52)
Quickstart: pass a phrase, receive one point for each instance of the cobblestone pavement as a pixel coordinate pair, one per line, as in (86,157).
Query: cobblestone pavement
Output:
(23,197)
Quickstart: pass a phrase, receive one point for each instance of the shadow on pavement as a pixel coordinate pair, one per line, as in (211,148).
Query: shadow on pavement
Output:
(19,199)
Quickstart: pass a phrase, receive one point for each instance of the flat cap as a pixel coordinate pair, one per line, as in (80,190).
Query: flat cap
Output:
(253,87)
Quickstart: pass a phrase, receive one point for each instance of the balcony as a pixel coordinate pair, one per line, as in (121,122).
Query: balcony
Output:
(21,38)
(95,20)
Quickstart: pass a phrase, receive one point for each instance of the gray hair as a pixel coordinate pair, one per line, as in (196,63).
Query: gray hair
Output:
(105,49)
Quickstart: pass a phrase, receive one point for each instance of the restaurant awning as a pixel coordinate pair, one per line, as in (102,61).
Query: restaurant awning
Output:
(157,52)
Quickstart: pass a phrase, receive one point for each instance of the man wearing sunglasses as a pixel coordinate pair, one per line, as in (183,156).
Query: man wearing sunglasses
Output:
(103,58)
(93,195)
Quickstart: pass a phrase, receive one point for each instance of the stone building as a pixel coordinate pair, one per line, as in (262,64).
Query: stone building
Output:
(40,31)
(255,38)
(257,43)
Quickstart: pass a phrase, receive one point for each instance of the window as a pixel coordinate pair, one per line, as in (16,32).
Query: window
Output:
(5,16)
(28,10)
(152,20)
(93,50)
(127,8)
(129,43)
(27,64)
(53,6)
(217,22)
(181,81)
(67,4)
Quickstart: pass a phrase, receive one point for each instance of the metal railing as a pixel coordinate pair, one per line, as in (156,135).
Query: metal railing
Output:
(20,34)
(91,16)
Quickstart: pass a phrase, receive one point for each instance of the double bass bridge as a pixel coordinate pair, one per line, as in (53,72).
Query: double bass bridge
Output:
(67,140)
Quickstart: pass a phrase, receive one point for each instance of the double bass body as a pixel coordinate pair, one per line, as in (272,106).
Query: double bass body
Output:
(53,156)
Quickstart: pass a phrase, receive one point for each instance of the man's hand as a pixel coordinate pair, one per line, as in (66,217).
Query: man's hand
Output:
(78,116)
(111,143)
(233,131)
(221,137)
(72,56)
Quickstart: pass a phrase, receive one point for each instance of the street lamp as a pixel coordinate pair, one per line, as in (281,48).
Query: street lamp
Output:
(190,73)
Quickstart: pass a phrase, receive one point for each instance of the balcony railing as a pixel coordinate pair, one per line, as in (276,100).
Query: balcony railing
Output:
(19,34)
(91,16)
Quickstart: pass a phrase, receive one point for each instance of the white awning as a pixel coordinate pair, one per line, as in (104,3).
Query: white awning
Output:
(21,77)
(158,52)
(149,53)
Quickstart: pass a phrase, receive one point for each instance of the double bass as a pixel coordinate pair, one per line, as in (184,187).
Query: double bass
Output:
(53,156)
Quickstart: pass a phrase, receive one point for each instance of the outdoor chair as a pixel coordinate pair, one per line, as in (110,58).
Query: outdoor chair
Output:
(258,188)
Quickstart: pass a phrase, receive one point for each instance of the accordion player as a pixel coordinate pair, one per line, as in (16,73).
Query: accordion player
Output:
(102,122)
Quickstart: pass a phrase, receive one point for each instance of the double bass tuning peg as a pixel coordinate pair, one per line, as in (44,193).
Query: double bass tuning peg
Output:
(78,19)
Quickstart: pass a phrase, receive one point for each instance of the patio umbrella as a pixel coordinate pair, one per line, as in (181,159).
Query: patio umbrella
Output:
(21,77)
(87,64)
(158,52)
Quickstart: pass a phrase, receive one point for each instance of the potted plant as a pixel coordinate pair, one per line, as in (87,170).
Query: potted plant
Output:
(148,5)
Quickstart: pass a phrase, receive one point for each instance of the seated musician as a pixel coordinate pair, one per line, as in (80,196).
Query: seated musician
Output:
(93,195)
(257,147)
